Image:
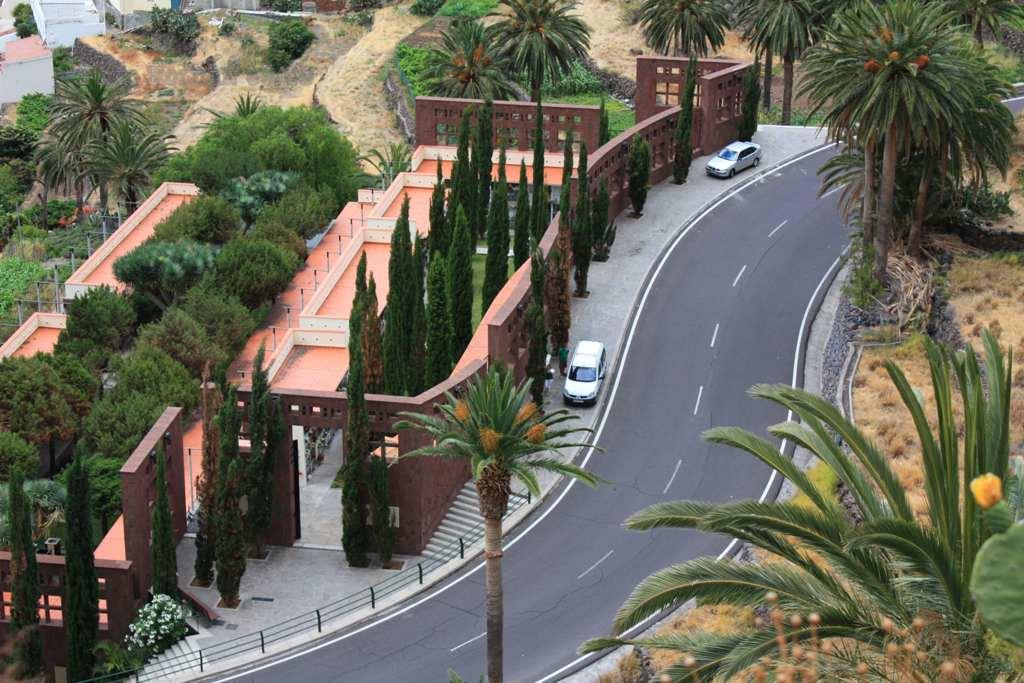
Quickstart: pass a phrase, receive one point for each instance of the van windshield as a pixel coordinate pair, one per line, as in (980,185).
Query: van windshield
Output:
(582,374)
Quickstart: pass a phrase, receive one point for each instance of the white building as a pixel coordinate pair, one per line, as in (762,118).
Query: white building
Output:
(60,22)
(26,66)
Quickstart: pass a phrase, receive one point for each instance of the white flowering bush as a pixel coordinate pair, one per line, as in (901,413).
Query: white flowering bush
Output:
(158,625)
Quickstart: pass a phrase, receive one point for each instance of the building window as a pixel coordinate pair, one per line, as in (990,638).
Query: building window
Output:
(516,116)
(676,71)
(659,70)
(666,93)
(577,119)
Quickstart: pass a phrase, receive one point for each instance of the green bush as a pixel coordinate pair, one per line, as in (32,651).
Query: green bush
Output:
(227,322)
(364,18)
(162,271)
(12,189)
(184,339)
(620,117)
(468,8)
(226,28)
(100,321)
(412,61)
(63,61)
(208,218)
(24,20)
(288,41)
(579,81)
(34,111)
(16,453)
(361,5)
(16,275)
(303,210)
(182,28)
(16,142)
(252,194)
(426,8)
(253,269)
(325,160)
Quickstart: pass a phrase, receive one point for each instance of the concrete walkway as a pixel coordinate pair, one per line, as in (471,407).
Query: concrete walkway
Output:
(298,578)
(320,505)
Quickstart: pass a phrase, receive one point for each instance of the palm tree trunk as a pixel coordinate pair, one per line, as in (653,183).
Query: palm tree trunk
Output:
(867,212)
(979,37)
(766,89)
(495,599)
(44,212)
(536,81)
(787,88)
(920,209)
(80,201)
(886,197)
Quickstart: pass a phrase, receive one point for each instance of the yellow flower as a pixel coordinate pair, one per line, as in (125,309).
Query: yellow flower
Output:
(489,439)
(526,412)
(535,434)
(461,411)
(987,490)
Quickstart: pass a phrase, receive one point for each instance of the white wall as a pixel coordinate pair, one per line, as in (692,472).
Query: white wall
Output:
(60,22)
(18,79)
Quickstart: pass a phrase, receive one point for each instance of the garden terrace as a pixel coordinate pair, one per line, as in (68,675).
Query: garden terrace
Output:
(38,334)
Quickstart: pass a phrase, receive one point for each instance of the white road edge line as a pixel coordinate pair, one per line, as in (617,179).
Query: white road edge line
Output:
(832,191)
(700,392)
(714,336)
(739,275)
(589,453)
(673,477)
(471,640)
(594,566)
(778,227)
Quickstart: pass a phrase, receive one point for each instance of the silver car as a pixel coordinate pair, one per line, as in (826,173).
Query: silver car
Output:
(734,158)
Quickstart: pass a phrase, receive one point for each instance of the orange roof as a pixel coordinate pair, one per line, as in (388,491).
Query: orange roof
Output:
(339,302)
(26,49)
(552,174)
(42,340)
(312,368)
(419,207)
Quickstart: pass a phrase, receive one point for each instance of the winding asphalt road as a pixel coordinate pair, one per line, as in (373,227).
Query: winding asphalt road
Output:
(723,311)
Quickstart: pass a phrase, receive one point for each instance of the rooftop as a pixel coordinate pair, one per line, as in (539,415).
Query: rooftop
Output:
(25,50)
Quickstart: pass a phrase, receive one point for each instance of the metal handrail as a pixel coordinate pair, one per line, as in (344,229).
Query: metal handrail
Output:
(370,596)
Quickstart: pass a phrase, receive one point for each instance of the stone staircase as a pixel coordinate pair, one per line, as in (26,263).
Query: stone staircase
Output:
(462,520)
(176,660)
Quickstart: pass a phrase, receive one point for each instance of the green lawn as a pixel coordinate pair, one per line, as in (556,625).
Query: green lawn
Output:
(620,117)
(468,8)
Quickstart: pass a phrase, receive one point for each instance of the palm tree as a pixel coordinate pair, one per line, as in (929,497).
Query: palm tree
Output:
(541,38)
(782,27)
(862,579)
(467,65)
(61,165)
(886,75)
(503,436)
(128,160)
(991,15)
(85,108)
(689,27)
(396,158)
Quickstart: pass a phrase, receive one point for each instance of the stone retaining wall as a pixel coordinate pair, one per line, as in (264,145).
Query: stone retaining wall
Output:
(989,239)
(91,58)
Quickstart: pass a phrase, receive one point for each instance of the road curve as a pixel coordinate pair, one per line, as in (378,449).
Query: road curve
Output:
(733,276)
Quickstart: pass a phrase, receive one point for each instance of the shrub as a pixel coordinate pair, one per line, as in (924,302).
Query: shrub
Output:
(12,189)
(16,453)
(364,18)
(16,142)
(208,219)
(281,235)
(34,112)
(158,625)
(226,28)
(182,28)
(162,271)
(305,211)
(578,81)
(227,322)
(24,21)
(285,5)
(63,60)
(15,277)
(101,321)
(288,41)
(251,194)
(361,5)
(255,270)
(181,337)
(426,8)
(468,8)
(412,61)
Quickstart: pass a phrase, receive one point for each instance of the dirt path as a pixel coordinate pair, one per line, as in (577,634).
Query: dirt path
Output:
(352,90)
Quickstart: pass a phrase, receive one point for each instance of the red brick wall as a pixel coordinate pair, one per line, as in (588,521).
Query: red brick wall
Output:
(437,122)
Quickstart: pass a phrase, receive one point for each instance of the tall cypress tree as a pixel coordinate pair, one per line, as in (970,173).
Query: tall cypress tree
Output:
(165,562)
(259,469)
(536,368)
(398,330)
(582,239)
(521,242)
(460,287)
(603,232)
(373,359)
(206,536)
(557,286)
(439,345)
(751,103)
(464,174)
(496,265)
(383,532)
(357,433)
(418,311)
(25,592)
(639,170)
(81,611)
(682,142)
(540,219)
(438,225)
(604,133)
(538,204)
(230,527)
(483,151)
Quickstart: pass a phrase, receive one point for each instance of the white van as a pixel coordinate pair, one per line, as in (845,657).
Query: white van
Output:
(587,367)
